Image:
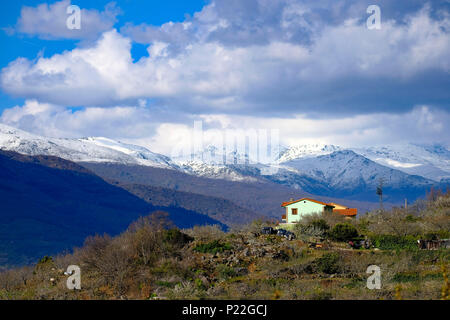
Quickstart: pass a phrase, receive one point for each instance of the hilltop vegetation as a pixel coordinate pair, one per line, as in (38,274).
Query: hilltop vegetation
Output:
(154,260)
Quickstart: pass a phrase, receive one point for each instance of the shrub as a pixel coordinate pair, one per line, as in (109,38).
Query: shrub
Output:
(205,233)
(322,295)
(225,272)
(305,232)
(328,263)
(331,219)
(411,218)
(406,277)
(45,260)
(212,247)
(176,237)
(431,236)
(343,232)
(393,242)
(152,237)
(184,290)
(320,224)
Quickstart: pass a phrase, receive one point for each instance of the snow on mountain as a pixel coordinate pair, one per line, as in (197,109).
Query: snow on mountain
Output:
(318,168)
(431,162)
(307,151)
(217,164)
(344,169)
(213,156)
(216,171)
(141,154)
(346,173)
(80,150)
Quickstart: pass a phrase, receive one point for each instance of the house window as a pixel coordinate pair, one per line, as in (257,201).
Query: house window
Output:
(294,211)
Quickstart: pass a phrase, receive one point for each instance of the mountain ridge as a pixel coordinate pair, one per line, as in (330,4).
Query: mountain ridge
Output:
(431,161)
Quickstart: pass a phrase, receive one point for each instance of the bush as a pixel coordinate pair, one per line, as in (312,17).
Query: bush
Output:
(322,295)
(212,247)
(406,277)
(320,224)
(393,242)
(176,237)
(205,233)
(316,228)
(343,232)
(225,272)
(328,263)
(45,260)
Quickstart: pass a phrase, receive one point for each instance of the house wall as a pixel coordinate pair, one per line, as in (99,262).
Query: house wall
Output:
(303,207)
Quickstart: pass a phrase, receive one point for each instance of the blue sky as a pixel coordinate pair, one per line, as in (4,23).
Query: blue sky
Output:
(138,11)
(144,71)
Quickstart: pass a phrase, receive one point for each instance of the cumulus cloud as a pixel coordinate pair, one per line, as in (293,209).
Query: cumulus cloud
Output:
(310,69)
(345,67)
(49,21)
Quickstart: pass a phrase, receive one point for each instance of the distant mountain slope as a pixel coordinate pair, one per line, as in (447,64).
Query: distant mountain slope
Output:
(432,161)
(302,168)
(313,169)
(261,197)
(306,151)
(48,204)
(350,175)
(429,161)
(85,149)
(217,208)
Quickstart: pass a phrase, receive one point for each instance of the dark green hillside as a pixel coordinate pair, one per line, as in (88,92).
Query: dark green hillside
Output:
(48,205)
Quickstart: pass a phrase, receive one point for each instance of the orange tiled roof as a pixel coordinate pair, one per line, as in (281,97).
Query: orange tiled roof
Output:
(347,212)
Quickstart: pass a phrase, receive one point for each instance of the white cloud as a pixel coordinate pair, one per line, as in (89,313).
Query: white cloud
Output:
(153,129)
(49,21)
(340,84)
(56,121)
(280,76)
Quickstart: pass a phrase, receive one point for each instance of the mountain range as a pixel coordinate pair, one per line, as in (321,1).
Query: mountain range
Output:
(54,192)
(406,171)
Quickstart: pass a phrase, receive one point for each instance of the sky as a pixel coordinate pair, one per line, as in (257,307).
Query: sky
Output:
(144,71)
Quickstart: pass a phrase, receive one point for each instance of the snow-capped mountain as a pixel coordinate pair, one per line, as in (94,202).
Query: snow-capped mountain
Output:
(140,154)
(431,162)
(80,150)
(211,162)
(407,171)
(306,151)
(346,171)
(214,156)
(217,171)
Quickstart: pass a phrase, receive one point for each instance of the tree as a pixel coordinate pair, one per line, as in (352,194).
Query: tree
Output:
(380,192)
